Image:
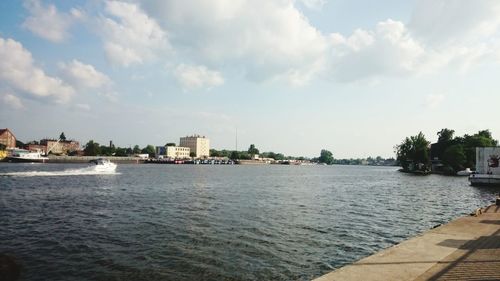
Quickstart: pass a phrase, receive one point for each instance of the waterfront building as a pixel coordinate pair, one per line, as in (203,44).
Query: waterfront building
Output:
(177,152)
(7,138)
(160,151)
(59,147)
(200,145)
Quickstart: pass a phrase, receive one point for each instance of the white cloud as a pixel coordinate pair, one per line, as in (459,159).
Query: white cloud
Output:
(433,101)
(265,39)
(82,106)
(459,22)
(130,35)
(47,22)
(388,50)
(18,70)
(12,101)
(193,77)
(313,4)
(84,75)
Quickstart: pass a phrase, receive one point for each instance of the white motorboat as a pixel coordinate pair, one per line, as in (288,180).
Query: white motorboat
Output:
(23,155)
(104,165)
(466,172)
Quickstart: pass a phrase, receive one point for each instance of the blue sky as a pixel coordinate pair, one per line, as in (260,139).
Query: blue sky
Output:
(291,76)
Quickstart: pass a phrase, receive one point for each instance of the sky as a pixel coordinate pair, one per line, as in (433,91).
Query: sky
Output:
(291,76)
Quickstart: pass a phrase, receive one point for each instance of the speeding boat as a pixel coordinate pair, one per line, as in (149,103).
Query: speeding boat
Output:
(104,165)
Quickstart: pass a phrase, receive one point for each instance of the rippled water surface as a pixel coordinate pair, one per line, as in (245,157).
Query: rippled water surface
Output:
(186,222)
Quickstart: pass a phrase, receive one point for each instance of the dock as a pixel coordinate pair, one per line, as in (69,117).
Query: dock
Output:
(467,248)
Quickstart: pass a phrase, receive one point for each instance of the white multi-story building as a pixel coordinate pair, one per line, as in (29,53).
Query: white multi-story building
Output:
(177,152)
(200,145)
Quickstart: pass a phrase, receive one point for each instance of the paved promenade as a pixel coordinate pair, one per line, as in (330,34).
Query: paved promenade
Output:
(467,248)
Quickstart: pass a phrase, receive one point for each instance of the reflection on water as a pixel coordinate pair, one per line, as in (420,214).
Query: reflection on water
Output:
(162,222)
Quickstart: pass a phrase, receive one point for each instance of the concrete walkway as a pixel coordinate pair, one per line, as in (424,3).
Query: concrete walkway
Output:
(467,248)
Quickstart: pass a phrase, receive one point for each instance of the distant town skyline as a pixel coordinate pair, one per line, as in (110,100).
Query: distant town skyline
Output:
(290,76)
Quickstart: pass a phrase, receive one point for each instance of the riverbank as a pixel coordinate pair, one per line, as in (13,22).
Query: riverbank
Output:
(87,159)
(467,248)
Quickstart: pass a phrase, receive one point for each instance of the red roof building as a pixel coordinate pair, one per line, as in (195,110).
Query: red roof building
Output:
(7,138)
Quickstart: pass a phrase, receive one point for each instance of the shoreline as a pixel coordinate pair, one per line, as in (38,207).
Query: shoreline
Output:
(467,242)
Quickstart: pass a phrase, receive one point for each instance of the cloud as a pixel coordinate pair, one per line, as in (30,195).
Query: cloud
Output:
(264,39)
(18,71)
(387,50)
(313,4)
(433,101)
(84,75)
(82,106)
(130,35)
(47,22)
(12,101)
(451,23)
(395,49)
(193,77)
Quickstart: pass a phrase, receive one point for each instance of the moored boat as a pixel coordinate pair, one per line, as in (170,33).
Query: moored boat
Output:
(487,167)
(26,156)
(484,180)
(466,172)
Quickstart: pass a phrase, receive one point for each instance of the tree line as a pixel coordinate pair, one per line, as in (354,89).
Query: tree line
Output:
(92,148)
(452,154)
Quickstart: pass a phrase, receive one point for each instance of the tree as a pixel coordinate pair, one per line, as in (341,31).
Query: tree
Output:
(413,153)
(62,137)
(454,157)
(326,157)
(192,154)
(234,155)
(92,148)
(170,144)
(481,139)
(120,151)
(136,149)
(445,135)
(149,149)
(252,150)
(19,144)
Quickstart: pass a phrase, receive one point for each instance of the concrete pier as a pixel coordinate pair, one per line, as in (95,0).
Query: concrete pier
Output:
(467,248)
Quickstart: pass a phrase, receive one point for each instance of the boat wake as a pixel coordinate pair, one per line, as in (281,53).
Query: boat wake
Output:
(92,170)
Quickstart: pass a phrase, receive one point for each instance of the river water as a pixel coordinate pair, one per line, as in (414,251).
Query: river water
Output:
(193,222)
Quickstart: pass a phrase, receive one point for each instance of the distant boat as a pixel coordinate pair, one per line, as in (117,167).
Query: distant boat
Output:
(466,172)
(104,165)
(26,156)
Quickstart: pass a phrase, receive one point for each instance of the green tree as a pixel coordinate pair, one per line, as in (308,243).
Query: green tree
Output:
(149,149)
(234,155)
(136,149)
(413,153)
(326,157)
(170,144)
(120,151)
(106,150)
(62,136)
(454,157)
(481,139)
(252,150)
(445,135)
(91,148)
